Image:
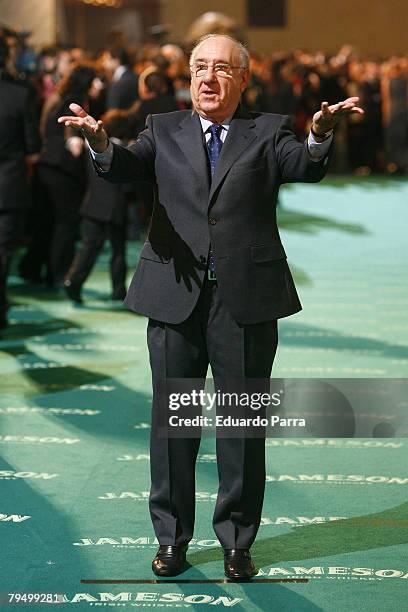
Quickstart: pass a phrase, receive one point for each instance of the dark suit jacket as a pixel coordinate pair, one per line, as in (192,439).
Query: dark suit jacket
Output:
(235,212)
(123,92)
(103,201)
(18,137)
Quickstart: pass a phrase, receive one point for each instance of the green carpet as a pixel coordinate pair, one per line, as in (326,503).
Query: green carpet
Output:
(74,428)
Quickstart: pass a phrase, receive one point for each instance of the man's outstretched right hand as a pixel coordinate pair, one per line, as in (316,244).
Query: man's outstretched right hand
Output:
(93,130)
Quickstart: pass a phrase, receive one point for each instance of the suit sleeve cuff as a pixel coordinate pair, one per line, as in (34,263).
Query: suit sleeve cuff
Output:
(318,150)
(103,160)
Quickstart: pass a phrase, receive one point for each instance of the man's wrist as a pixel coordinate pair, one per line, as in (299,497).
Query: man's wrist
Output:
(99,148)
(103,160)
(320,135)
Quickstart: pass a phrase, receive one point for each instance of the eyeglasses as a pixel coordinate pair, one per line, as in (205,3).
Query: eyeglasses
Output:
(199,69)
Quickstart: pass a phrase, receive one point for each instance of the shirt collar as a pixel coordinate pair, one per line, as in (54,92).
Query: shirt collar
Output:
(205,124)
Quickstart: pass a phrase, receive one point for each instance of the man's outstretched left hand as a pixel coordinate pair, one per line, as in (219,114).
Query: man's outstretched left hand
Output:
(329,116)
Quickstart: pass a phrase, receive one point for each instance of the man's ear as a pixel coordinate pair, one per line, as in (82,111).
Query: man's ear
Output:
(245,79)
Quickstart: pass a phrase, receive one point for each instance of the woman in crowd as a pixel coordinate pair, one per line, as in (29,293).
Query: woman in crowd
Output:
(60,184)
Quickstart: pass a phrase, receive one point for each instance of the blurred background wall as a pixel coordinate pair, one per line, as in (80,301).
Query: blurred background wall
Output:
(86,23)
(37,16)
(374,26)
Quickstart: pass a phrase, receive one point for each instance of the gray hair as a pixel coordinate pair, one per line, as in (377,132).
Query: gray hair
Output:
(242,51)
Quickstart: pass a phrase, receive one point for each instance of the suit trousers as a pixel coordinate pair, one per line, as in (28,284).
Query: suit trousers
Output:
(234,351)
(94,234)
(61,198)
(10,221)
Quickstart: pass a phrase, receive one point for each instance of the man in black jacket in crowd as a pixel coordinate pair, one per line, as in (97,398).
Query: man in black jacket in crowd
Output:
(104,217)
(122,92)
(18,138)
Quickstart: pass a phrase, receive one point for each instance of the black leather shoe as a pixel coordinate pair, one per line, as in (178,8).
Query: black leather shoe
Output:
(169,560)
(238,564)
(73,292)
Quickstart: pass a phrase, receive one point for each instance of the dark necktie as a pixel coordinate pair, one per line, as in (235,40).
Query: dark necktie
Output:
(214,146)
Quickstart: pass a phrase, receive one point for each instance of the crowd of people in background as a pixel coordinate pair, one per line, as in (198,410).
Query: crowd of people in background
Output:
(291,83)
(122,86)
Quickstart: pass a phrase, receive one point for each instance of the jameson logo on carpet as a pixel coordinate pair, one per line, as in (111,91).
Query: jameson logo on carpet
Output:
(298,521)
(9,439)
(105,388)
(338,478)
(151,599)
(89,346)
(201,458)
(135,495)
(12,475)
(14,518)
(335,572)
(126,541)
(43,365)
(19,410)
(144,495)
(332,443)
(142,425)
(138,457)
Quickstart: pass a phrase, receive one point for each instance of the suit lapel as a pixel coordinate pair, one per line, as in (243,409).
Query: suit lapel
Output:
(189,137)
(240,135)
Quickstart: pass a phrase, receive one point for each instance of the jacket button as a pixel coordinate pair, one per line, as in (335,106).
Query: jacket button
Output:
(212,221)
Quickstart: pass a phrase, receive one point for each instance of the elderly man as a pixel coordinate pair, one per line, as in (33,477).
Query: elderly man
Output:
(213,277)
